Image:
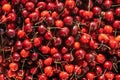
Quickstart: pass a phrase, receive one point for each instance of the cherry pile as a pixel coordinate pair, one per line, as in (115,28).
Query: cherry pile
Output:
(59,39)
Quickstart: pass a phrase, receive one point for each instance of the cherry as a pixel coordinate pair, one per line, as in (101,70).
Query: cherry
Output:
(108,65)
(41,5)
(48,61)
(113,44)
(68,57)
(18,45)
(64,32)
(50,21)
(103,38)
(11,26)
(53,50)
(68,20)
(90,76)
(57,57)
(108,29)
(29,6)
(76,45)
(37,41)
(16,57)
(70,41)
(109,75)
(59,23)
(24,53)
(6,7)
(109,16)
(45,49)
(117,77)
(48,70)
(42,29)
(57,41)
(63,75)
(27,44)
(21,34)
(11,73)
(80,54)
(117,11)
(11,33)
(45,13)
(98,70)
(102,77)
(28,28)
(48,35)
(64,50)
(70,4)
(75,30)
(89,57)
(69,68)
(100,58)
(87,15)
(13,66)
(85,38)
(34,16)
(96,10)
(12,17)
(33,70)
(116,24)
(34,56)
(60,6)
(42,77)
(107,4)
(55,16)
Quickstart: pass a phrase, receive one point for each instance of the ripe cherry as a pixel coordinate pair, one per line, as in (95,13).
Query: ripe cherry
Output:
(42,77)
(24,53)
(27,44)
(117,11)
(6,7)
(64,31)
(69,68)
(117,77)
(70,4)
(59,23)
(68,57)
(85,38)
(76,45)
(48,70)
(34,56)
(108,65)
(11,33)
(68,20)
(80,54)
(108,29)
(96,10)
(63,75)
(100,58)
(37,41)
(109,16)
(16,57)
(29,6)
(13,66)
(70,41)
(90,76)
(45,49)
(42,29)
(48,61)
(57,57)
(109,75)
(87,15)
(21,34)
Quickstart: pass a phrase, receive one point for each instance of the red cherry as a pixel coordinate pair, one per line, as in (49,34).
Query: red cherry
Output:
(109,16)
(63,75)
(103,38)
(13,66)
(70,41)
(45,49)
(27,44)
(68,20)
(11,33)
(59,23)
(113,44)
(98,70)
(108,29)
(24,53)
(85,38)
(16,57)
(109,75)
(117,77)
(87,15)
(21,34)
(108,65)
(34,56)
(48,61)
(48,70)
(42,77)
(117,11)
(41,5)
(6,7)
(37,41)
(68,57)
(69,68)
(76,45)
(70,4)
(53,50)
(29,6)
(107,4)
(57,57)
(116,24)
(90,76)
(100,58)
(96,10)
(80,54)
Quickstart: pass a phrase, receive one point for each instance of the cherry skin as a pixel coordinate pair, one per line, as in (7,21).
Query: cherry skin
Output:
(57,41)
(16,57)
(29,6)
(27,44)
(70,41)
(13,66)
(48,70)
(70,4)
(53,50)
(48,61)
(90,76)
(41,5)
(60,6)
(64,32)
(6,7)
(68,20)
(108,65)
(69,68)
(96,10)
(107,4)
(75,30)
(76,45)
(108,29)
(80,54)
(109,75)
(42,29)
(18,45)
(116,24)
(57,57)
(85,38)
(45,49)
(103,38)
(89,57)
(109,16)
(117,11)
(87,15)
(117,77)
(34,16)
(21,34)
(64,50)
(11,33)
(34,56)
(68,57)
(63,75)
(48,35)
(42,77)
(24,53)
(98,70)
(113,44)
(37,41)
(59,23)
(100,58)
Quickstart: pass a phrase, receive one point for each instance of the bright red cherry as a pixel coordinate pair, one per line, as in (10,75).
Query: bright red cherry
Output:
(70,4)
(108,65)
(90,76)
(100,58)
(6,7)
(45,49)
(69,68)
(109,16)
(13,66)
(63,75)
(48,70)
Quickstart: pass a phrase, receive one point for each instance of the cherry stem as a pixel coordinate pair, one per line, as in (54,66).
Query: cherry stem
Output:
(89,5)
(115,5)
(23,63)
(115,67)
